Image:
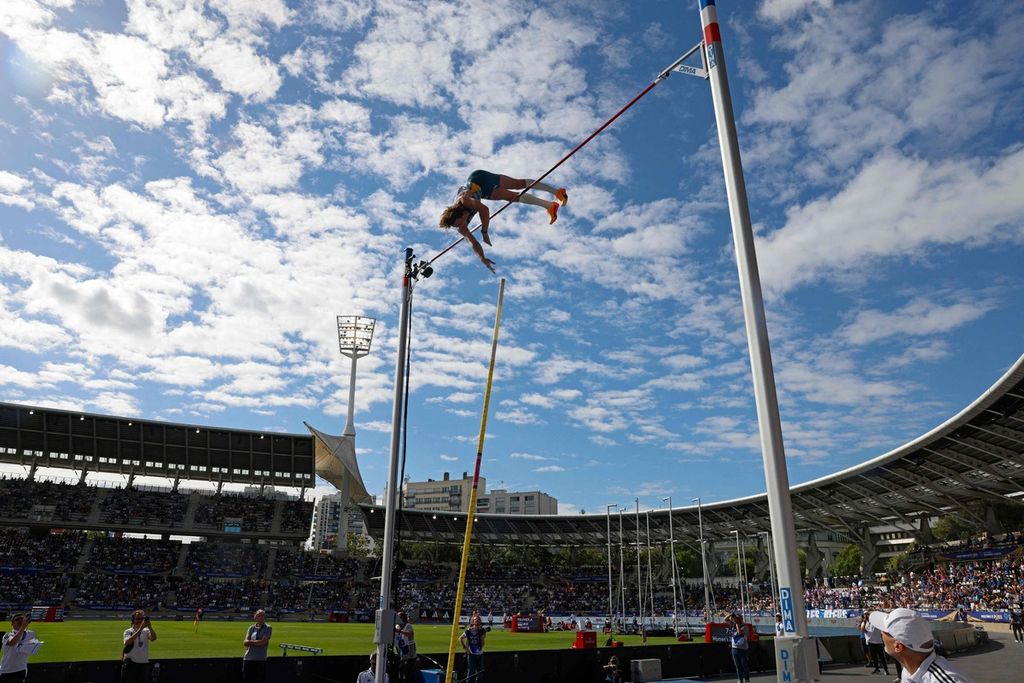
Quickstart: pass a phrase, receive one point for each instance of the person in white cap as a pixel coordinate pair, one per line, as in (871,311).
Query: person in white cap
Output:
(908,639)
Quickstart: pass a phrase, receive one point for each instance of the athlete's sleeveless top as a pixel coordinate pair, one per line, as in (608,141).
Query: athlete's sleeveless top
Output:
(474,192)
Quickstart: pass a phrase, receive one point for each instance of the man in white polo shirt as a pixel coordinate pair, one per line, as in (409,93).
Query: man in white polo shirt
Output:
(137,637)
(16,649)
(908,639)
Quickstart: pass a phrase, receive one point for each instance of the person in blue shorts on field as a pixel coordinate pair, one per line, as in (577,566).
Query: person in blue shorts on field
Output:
(739,646)
(472,640)
(482,185)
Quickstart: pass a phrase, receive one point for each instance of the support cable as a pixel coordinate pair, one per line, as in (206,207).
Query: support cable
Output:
(662,76)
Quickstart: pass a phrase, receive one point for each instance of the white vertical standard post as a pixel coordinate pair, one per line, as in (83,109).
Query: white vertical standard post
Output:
(675,578)
(639,576)
(384,631)
(780,506)
(622,572)
(650,572)
(747,600)
(608,519)
(739,574)
(703,563)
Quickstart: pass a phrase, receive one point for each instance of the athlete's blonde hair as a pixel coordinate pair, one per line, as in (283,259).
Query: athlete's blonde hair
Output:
(450,215)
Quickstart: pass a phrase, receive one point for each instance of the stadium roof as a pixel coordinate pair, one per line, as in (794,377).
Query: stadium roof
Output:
(47,437)
(974,458)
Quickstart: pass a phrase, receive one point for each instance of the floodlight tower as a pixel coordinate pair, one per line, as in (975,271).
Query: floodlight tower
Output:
(355,334)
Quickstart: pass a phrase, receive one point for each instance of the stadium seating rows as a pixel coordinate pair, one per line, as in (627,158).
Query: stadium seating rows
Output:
(107,570)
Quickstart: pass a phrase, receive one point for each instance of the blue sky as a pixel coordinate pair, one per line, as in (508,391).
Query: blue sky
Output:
(190,192)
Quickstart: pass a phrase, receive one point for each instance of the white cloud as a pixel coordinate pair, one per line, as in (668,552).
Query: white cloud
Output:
(682,361)
(537,400)
(376,426)
(919,317)
(117,403)
(565,394)
(859,93)
(455,397)
(837,385)
(558,367)
(14,377)
(342,14)
(598,418)
(264,161)
(239,69)
(924,351)
(645,489)
(896,207)
(12,187)
(526,456)
(781,10)
(517,416)
(549,469)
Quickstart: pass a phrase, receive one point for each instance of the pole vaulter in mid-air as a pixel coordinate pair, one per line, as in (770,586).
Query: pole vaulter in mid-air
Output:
(486,185)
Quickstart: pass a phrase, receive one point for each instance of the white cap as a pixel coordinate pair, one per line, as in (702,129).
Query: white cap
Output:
(906,627)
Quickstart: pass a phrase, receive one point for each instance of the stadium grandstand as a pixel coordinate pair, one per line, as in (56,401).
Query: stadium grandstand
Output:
(91,548)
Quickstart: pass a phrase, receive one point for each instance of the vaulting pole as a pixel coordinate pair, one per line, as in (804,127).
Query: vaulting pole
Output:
(457,612)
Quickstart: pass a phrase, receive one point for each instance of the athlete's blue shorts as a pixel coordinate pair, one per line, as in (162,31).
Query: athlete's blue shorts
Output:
(488,182)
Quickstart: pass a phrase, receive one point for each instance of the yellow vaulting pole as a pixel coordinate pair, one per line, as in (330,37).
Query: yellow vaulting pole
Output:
(457,612)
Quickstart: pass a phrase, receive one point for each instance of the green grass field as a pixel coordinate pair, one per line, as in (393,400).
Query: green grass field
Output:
(95,640)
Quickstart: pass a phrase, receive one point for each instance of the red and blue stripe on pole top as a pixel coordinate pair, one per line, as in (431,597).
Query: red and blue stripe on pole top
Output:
(709,18)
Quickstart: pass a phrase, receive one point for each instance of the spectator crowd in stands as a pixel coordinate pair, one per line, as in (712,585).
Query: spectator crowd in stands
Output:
(128,571)
(144,507)
(45,500)
(20,550)
(106,570)
(220,559)
(133,555)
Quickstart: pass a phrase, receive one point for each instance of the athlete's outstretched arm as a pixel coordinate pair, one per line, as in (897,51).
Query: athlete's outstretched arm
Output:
(464,231)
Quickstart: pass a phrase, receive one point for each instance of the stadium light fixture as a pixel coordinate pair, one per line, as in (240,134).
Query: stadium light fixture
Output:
(355,336)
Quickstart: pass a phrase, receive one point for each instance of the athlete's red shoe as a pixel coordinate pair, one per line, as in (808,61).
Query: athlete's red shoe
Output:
(562,196)
(552,212)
